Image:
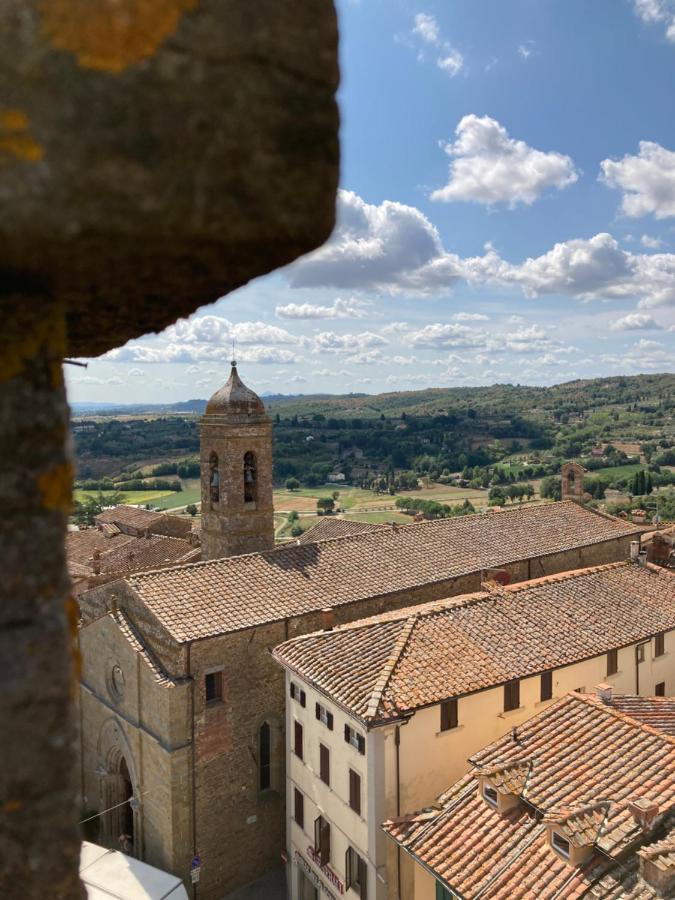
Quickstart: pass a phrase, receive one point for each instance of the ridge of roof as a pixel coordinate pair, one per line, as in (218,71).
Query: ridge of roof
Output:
(388,668)
(593,700)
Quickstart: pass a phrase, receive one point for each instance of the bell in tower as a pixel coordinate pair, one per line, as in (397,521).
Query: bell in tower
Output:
(236,472)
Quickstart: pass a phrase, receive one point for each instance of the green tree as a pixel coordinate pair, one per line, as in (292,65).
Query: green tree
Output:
(292,484)
(296,530)
(325,505)
(191,509)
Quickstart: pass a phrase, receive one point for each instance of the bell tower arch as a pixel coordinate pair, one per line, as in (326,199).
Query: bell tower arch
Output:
(236,472)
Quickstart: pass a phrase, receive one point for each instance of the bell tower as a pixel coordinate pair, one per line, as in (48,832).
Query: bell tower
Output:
(236,472)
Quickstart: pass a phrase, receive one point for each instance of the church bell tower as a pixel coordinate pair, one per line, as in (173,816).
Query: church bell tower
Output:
(236,472)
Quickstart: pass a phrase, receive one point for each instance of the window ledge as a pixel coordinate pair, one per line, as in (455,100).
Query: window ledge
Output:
(508,713)
(450,730)
(614,674)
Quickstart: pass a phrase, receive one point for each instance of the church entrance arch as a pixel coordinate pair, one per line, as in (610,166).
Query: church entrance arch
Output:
(119,795)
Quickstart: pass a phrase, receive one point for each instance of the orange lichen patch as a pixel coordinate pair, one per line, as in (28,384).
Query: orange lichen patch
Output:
(16,142)
(11,806)
(26,337)
(56,487)
(111,35)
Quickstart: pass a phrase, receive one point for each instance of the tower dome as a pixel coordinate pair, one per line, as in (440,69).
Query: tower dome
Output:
(234,399)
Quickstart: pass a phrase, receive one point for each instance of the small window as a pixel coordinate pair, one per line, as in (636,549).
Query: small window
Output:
(660,689)
(292,690)
(322,840)
(250,478)
(560,844)
(265,756)
(490,794)
(297,740)
(355,739)
(659,644)
(355,791)
(356,873)
(612,662)
(546,686)
(323,715)
(448,714)
(299,808)
(213,687)
(214,479)
(511,695)
(324,764)
(298,694)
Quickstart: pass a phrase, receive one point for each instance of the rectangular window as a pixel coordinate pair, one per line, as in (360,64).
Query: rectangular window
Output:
(292,690)
(612,662)
(640,653)
(511,695)
(299,808)
(356,871)
(660,689)
(322,840)
(448,714)
(355,739)
(324,764)
(297,740)
(560,844)
(490,794)
(213,687)
(298,694)
(323,715)
(355,791)
(546,686)
(659,644)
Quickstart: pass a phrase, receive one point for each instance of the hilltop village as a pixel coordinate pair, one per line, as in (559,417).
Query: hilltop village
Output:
(479,706)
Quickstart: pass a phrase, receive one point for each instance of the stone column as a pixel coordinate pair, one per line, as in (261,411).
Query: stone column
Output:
(39,837)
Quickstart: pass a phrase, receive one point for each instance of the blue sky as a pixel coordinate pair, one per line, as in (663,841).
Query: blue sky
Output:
(507,214)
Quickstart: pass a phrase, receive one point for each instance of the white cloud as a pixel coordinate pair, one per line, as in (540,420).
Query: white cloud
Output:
(635,322)
(323,373)
(490,167)
(220,331)
(330,342)
(176,353)
(403,360)
(135,373)
(655,12)
(438,335)
(389,247)
(651,243)
(426,28)
(297,379)
(470,317)
(339,309)
(396,328)
(526,49)
(452,63)
(115,379)
(647,181)
(644,344)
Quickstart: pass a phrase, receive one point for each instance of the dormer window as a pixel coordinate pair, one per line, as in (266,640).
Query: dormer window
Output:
(490,794)
(214,480)
(250,478)
(560,844)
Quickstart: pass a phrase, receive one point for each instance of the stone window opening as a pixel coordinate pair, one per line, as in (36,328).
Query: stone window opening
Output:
(213,687)
(250,478)
(214,480)
(265,757)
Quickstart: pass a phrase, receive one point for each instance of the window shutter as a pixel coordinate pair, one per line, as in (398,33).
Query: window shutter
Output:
(347,733)
(448,714)
(445,719)
(317,710)
(348,868)
(324,763)
(317,834)
(362,744)
(298,740)
(659,644)
(303,698)
(329,720)
(292,689)
(363,878)
(299,808)
(325,843)
(546,688)
(355,791)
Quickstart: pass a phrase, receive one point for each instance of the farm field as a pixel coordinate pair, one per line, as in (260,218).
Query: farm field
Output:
(134,498)
(178,498)
(618,471)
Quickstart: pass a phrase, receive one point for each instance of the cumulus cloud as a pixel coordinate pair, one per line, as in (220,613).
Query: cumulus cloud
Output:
(218,330)
(470,317)
(426,28)
(490,167)
(452,63)
(389,247)
(135,373)
(297,379)
(438,335)
(635,322)
(647,181)
(186,353)
(651,243)
(655,12)
(330,342)
(339,309)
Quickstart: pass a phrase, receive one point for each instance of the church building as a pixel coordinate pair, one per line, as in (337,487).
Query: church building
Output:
(181,703)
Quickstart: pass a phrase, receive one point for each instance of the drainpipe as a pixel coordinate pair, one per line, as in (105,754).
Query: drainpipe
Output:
(192,757)
(397,743)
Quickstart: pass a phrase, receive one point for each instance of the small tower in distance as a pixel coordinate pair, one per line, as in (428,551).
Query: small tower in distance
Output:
(236,472)
(572,482)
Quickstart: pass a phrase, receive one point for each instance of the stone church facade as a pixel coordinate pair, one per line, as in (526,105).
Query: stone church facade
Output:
(181,703)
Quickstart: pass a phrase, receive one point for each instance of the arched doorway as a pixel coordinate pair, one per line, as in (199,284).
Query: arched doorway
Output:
(126,819)
(119,797)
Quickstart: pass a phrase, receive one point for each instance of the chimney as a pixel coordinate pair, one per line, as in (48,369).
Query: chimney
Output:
(644,812)
(642,558)
(634,550)
(327,618)
(96,562)
(604,692)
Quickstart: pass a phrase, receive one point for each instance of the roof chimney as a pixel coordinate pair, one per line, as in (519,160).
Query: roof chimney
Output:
(634,550)
(96,562)
(604,692)
(327,618)
(644,811)
(642,558)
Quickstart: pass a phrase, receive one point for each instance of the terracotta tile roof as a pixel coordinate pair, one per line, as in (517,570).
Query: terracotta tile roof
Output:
(120,553)
(466,643)
(128,515)
(244,591)
(124,624)
(588,760)
(330,527)
(656,711)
